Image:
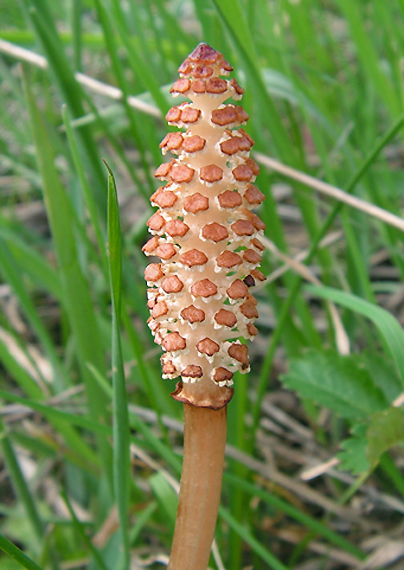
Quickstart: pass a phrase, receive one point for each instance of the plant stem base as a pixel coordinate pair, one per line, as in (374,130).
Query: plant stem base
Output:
(201,484)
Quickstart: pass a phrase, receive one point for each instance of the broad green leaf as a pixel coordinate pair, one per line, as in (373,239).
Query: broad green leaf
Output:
(391,331)
(336,382)
(353,457)
(386,430)
(383,373)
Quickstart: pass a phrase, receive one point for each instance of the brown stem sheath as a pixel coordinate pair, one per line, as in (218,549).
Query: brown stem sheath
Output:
(201,483)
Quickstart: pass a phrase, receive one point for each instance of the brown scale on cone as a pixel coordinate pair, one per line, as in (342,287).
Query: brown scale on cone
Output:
(205,235)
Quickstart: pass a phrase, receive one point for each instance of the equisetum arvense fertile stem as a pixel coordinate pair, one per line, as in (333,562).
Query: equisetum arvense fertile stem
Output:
(207,239)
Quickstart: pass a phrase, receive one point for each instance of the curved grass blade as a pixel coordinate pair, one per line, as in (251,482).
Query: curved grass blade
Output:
(265,107)
(390,329)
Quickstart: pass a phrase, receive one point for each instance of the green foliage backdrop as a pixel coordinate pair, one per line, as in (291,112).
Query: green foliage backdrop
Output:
(89,467)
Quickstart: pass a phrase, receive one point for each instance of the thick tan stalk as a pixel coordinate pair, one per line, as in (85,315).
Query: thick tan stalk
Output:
(201,483)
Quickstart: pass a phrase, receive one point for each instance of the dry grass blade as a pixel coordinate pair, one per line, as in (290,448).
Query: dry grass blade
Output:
(94,85)
(341,337)
(326,242)
(332,191)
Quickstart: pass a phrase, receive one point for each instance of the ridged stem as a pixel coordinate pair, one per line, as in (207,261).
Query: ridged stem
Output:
(201,484)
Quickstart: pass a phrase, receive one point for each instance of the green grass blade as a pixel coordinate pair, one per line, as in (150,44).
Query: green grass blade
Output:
(18,372)
(120,404)
(233,12)
(16,554)
(76,14)
(390,329)
(136,423)
(238,437)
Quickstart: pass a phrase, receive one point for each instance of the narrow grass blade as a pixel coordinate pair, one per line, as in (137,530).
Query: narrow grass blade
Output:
(390,329)
(238,437)
(120,405)
(76,12)
(17,554)
(233,12)
(137,424)
(18,373)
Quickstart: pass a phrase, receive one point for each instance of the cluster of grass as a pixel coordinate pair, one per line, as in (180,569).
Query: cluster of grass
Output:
(87,461)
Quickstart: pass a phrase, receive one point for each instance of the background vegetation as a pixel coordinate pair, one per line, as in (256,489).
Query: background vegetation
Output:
(314,470)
